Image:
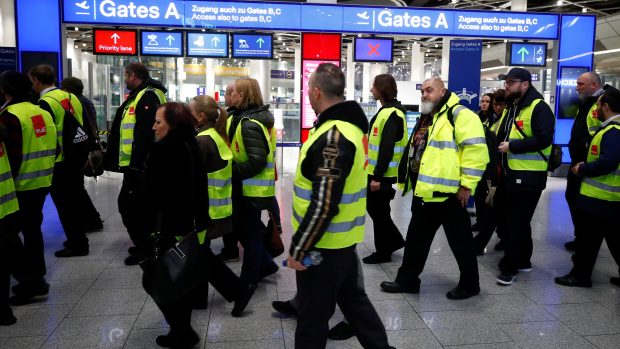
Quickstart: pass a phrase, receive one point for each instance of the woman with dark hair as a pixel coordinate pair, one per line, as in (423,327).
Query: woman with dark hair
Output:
(486,107)
(253,173)
(498,104)
(386,140)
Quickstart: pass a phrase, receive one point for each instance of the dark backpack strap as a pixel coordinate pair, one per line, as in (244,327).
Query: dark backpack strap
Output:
(525,136)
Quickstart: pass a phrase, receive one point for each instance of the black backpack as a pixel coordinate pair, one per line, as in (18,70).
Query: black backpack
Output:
(75,139)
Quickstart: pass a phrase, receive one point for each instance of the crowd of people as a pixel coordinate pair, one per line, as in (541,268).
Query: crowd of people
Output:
(197,172)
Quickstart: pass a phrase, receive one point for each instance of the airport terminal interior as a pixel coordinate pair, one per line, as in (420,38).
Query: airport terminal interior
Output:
(96,301)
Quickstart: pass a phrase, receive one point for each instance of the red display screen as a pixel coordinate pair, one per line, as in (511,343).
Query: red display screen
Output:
(320,46)
(115,42)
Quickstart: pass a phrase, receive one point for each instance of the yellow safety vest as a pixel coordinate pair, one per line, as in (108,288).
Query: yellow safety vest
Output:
(454,156)
(532,161)
(128,122)
(592,120)
(39,142)
(8,197)
(605,187)
(220,181)
(347,227)
(60,101)
(263,184)
(374,140)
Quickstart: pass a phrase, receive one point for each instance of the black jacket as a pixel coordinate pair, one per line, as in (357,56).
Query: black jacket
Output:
(328,175)
(543,128)
(256,147)
(175,186)
(143,135)
(392,132)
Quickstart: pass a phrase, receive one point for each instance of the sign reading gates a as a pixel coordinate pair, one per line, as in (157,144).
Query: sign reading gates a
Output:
(312,17)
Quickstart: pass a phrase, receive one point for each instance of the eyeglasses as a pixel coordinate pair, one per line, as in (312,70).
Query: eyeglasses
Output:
(510,82)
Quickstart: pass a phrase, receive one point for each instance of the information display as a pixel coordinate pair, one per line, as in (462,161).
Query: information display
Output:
(373,50)
(529,54)
(568,98)
(207,45)
(256,46)
(115,42)
(313,17)
(161,43)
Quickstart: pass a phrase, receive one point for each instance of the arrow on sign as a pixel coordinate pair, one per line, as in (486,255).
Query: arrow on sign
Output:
(169,38)
(215,41)
(523,52)
(115,37)
(260,42)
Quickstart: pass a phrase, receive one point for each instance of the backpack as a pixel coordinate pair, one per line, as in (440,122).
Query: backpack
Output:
(75,139)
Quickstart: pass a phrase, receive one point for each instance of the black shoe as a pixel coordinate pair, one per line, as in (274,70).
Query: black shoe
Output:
(243,300)
(7,318)
(135,259)
(341,332)
(133,250)
(26,294)
(226,256)
(505,279)
(572,281)
(185,339)
(615,281)
(377,258)
(474,227)
(395,287)
(499,246)
(284,308)
(94,226)
(72,252)
(571,245)
(165,341)
(460,293)
(267,270)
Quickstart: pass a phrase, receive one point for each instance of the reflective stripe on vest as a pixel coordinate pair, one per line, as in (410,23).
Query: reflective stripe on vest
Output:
(59,101)
(8,197)
(263,184)
(220,182)
(128,122)
(347,227)
(605,187)
(39,143)
(374,140)
(442,167)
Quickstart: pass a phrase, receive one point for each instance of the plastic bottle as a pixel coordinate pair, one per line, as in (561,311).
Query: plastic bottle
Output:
(310,259)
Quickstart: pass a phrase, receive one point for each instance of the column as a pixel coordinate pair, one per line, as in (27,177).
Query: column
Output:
(260,70)
(298,72)
(7,30)
(350,78)
(445,59)
(417,63)
(210,76)
(365,82)
(518,5)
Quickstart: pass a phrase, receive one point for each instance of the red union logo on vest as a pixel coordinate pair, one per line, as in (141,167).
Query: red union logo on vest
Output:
(375,131)
(39,125)
(594,149)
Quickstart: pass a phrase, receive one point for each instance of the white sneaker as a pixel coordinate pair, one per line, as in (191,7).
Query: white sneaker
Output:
(505,279)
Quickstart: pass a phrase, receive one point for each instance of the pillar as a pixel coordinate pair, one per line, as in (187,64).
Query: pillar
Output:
(350,78)
(417,63)
(445,59)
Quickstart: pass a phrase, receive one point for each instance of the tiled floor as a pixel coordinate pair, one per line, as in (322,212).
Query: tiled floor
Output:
(97,302)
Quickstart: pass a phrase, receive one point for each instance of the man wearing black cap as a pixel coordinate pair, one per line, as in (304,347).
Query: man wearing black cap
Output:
(31,149)
(525,134)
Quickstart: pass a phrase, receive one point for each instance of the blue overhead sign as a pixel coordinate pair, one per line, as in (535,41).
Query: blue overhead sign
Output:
(207,45)
(161,43)
(252,46)
(311,17)
(533,54)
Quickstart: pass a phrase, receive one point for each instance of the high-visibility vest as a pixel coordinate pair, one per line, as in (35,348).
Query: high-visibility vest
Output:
(263,184)
(592,120)
(128,122)
(229,123)
(59,101)
(347,227)
(8,196)
(531,161)
(374,140)
(605,187)
(454,156)
(39,142)
(220,181)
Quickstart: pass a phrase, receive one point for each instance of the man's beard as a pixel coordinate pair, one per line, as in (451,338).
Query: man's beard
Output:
(427,107)
(513,96)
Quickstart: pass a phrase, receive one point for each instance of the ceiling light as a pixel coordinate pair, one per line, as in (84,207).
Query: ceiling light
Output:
(76,29)
(203,30)
(560,3)
(505,40)
(426,55)
(84,44)
(584,10)
(359,35)
(428,50)
(455,1)
(436,45)
(488,45)
(76,46)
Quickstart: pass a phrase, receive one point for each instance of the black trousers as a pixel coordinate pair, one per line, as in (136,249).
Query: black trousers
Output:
(28,256)
(179,314)
(132,211)
(224,280)
(321,287)
(248,223)
(426,218)
(486,217)
(517,209)
(387,236)
(579,218)
(67,183)
(590,242)
(91,215)
(8,228)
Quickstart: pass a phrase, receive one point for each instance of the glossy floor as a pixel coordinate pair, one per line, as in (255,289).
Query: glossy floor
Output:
(97,302)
